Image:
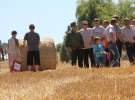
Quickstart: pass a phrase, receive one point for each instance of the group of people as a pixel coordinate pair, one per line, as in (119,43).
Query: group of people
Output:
(33,54)
(101,45)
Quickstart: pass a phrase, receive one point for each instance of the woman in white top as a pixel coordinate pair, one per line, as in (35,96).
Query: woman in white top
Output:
(13,50)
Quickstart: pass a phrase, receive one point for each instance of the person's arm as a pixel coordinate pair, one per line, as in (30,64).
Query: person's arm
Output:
(113,36)
(122,35)
(103,30)
(82,41)
(67,42)
(25,40)
(112,33)
(24,43)
(38,40)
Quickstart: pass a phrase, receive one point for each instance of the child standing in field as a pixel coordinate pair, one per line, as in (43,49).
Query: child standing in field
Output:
(99,52)
(13,50)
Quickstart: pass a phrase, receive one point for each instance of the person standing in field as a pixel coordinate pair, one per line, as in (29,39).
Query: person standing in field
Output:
(74,42)
(129,39)
(13,50)
(119,41)
(33,54)
(88,39)
(110,33)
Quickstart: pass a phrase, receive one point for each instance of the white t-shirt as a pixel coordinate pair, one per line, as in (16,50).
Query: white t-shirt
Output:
(87,38)
(98,31)
(110,33)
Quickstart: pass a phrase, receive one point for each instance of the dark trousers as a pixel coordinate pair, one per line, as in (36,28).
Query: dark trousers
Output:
(88,53)
(119,46)
(33,58)
(130,47)
(76,55)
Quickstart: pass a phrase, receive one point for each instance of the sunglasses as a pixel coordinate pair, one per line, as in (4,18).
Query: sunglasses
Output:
(85,24)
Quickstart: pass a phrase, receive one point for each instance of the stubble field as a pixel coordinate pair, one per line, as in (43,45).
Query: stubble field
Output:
(69,83)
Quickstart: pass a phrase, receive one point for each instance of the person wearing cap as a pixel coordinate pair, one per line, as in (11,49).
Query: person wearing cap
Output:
(99,52)
(110,33)
(129,40)
(33,54)
(74,42)
(13,50)
(88,44)
(119,41)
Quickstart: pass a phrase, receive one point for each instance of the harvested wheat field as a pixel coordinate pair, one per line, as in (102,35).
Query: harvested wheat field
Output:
(69,83)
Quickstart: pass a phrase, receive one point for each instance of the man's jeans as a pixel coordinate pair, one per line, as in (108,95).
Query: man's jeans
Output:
(116,56)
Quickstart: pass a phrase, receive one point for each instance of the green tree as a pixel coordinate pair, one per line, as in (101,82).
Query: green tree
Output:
(64,54)
(58,47)
(103,9)
(125,9)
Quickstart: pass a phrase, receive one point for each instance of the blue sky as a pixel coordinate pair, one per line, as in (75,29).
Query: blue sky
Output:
(51,17)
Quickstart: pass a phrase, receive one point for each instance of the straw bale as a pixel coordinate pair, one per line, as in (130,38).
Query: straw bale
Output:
(48,55)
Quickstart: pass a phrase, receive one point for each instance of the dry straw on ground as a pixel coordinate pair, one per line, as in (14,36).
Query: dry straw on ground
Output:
(48,55)
(69,83)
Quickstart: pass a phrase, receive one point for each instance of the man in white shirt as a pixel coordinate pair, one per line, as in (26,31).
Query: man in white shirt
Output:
(110,33)
(88,44)
(119,41)
(128,34)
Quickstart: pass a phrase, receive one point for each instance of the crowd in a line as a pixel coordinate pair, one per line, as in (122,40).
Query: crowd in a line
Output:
(32,42)
(102,44)
(99,46)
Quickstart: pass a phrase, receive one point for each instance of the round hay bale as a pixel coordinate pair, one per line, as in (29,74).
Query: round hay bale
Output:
(48,55)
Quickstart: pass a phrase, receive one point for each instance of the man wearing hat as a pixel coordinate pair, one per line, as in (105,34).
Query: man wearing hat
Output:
(33,54)
(110,33)
(74,43)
